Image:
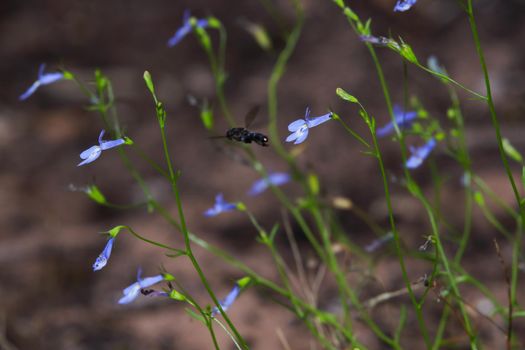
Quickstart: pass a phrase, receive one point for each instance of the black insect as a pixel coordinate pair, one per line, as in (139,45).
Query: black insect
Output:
(245,135)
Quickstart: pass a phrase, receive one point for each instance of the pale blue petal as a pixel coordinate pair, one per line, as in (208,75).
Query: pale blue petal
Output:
(179,34)
(420,154)
(296,125)
(103,258)
(414,161)
(110,144)
(50,78)
(211,212)
(130,293)
(302,137)
(293,136)
(90,155)
(100,140)
(261,185)
(403,120)
(311,122)
(227,302)
(404,5)
(307,113)
(41,70)
(149,281)
(29,91)
(220,206)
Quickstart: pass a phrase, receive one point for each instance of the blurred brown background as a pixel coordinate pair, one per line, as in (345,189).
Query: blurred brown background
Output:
(51,299)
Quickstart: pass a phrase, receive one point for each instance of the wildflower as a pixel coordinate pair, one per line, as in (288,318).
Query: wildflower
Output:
(43,79)
(300,127)
(403,119)
(378,243)
(376,40)
(93,152)
(380,41)
(404,5)
(228,301)
(220,206)
(433,65)
(420,154)
(185,28)
(132,291)
(276,179)
(103,258)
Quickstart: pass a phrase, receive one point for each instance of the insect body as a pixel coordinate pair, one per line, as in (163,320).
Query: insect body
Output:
(246,136)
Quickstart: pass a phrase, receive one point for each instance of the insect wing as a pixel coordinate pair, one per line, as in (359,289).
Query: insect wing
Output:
(250,116)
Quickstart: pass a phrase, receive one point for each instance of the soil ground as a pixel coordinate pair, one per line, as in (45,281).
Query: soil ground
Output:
(50,297)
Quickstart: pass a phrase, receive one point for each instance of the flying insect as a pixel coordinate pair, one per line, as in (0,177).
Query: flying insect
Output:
(245,135)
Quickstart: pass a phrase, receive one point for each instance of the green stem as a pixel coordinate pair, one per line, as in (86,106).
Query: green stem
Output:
(495,123)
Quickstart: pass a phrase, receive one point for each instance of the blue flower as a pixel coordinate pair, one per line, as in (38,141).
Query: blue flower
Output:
(380,41)
(228,301)
(404,5)
(220,206)
(43,79)
(103,258)
(185,29)
(131,292)
(300,127)
(403,120)
(93,152)
(420,154)
(276,179)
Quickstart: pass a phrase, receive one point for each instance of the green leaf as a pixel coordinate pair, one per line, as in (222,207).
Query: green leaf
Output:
(94,193)
(195,315)
(346,96)
(511,151)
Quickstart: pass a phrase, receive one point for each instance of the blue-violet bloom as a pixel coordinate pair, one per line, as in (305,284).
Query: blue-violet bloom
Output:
(43,79)
(93,152)
(228,301)
(404,5)
(220,206)
(403,120)
(185,29)
(131,292)
(276,179)
(300,127)
(103,258)
(419,154)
